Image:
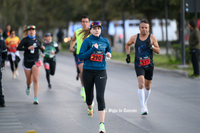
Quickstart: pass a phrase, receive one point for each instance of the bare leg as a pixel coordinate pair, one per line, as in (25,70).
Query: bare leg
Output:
(36,71)
(29,77)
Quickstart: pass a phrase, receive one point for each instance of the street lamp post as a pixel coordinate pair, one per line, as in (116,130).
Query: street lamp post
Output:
(182,32)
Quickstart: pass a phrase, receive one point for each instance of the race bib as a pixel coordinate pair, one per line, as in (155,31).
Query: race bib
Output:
(38,63)
(145,61)
(46,66)
(97,56)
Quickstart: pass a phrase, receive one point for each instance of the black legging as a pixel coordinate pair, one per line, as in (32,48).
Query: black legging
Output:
(12,63)
(99,78)
(51,70)
(195,61)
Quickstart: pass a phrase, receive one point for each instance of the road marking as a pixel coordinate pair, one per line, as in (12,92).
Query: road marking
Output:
(8,119)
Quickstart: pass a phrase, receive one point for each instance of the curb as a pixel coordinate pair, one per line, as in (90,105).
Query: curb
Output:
(157,69)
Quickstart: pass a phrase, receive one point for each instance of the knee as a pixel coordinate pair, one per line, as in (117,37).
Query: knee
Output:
(35,80)
(100,99)
(148,86)
(141,85)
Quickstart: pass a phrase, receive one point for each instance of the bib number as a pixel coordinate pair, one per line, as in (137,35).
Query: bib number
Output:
(38,63)
(145,62)
(96,57)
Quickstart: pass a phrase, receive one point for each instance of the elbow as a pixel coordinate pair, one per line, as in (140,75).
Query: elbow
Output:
(80,57)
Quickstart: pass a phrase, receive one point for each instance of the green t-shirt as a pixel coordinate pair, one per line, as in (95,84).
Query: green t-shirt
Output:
(48,48)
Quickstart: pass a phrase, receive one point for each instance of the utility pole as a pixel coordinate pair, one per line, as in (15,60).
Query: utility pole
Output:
(124,31)
(103,17)
(25,12)
(182,32)
(166,23)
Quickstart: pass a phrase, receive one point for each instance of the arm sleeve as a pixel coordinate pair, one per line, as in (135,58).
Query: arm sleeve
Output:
(4,51)
(196,39)
(56,47)
(57,50)
(21,46)
(85,53)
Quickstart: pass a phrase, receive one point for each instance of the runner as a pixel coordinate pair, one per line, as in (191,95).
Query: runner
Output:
(51,48)
(85,22)
(13,55)
(3,57)
(93,51)
(31,63)
(145,45)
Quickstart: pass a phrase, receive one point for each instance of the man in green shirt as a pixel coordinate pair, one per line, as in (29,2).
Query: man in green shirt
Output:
(85,22)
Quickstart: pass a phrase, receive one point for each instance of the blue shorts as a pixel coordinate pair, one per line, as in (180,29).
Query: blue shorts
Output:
(78,61)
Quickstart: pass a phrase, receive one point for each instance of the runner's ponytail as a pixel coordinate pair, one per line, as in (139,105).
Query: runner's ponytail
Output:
(85,33)
(25,32)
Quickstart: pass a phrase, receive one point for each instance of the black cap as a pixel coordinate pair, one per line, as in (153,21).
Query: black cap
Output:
(94,24)
(48,34)
(31,27)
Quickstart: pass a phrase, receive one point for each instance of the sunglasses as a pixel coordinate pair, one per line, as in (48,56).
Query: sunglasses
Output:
(31,27)
(96,23)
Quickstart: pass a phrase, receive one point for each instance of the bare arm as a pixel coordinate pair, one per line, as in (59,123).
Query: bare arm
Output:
(154,42)
(129,43)
(72,43)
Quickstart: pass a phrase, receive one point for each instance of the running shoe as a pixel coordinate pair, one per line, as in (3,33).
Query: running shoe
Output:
(144,111)
(84,99)
(14,76)
(3,105)
(28,90)
(36,100)
(16,73)
(90,113)
(49,86)
(83,92)
(102,128)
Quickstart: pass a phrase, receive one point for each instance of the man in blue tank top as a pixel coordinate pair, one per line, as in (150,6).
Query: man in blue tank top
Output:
(145,45)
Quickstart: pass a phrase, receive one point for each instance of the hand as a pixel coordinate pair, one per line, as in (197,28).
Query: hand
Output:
(71,49)
(96,45)
(8,46)
(108,54)
(42,55)
(149,44)
(128,58)
(31,47)
(42,47)
(52,52)
(3,65)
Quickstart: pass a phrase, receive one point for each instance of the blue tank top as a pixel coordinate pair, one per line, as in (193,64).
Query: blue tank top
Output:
(143,54)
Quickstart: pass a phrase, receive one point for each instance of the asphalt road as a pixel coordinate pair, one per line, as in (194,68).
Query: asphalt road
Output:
(173,104)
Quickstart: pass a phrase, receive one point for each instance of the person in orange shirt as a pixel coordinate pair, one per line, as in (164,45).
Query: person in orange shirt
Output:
(13,55)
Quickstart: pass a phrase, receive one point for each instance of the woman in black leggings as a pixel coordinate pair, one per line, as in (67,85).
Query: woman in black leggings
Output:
(94,50)
(51,48)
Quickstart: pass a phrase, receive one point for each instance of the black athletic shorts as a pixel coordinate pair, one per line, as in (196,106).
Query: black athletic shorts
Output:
(146,72)
(28,65)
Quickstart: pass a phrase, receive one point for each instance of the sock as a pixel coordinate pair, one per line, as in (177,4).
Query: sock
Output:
(147,93)
(141,96)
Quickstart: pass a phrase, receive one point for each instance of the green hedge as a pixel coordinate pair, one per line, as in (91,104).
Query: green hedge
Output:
(177,52)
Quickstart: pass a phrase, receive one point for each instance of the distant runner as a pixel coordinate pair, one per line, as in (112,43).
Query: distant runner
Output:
(51,49)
